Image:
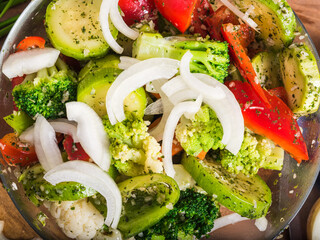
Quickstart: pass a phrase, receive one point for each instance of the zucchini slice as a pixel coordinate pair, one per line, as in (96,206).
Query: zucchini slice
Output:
(275,20)
(248,196)
(301,79)
(73,28)
(266,65)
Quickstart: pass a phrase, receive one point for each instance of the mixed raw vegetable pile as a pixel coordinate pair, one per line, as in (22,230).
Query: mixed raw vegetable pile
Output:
(143,118)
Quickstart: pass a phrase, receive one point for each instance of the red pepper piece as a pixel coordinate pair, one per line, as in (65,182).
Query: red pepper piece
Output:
(178,12)
(275,122)
(241,59)
(74,150)
(15,152)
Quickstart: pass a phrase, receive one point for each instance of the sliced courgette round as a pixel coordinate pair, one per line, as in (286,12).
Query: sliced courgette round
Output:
(73,28)
(97,77)
(145,199)
(300,76)
(275,19)
(266,65)
(248,196)
(37,189)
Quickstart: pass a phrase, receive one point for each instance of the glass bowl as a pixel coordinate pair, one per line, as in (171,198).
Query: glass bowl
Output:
(290,187)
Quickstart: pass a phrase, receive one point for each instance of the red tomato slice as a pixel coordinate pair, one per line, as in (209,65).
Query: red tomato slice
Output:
(275,122)
(74,150)
(31,42)
(137,10)
(202,10)
(178,12)
(16,152)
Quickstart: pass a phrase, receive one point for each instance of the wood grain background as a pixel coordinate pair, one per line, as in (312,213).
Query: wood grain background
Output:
(15,226)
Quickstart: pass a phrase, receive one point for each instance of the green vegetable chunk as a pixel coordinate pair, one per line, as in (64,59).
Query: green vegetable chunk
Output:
(275,19)
(133,150)
(209,57)
(95,80)
(73,28)
(19,121)
(202,133)
(301,79)
(266,65)
(38,189)
(256,152)
(47,93)
(248,196)
(146,199)
(193,215)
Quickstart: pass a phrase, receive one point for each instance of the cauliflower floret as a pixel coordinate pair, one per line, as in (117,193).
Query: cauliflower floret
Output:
(152,152)
(77,219)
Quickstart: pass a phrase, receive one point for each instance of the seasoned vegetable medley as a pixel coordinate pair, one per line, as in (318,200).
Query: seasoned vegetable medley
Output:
(152,119)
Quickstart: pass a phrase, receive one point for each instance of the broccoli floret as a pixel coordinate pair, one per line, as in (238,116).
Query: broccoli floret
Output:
(134,151)
(256,152)
(209,57)
(46,94)
(202,133)
(192,215)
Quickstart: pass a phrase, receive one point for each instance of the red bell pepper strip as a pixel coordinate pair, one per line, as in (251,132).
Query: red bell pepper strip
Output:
(15,152)
(178,12)
(275,122)
(137,10)
(241,59)
(31,42)
(74,150)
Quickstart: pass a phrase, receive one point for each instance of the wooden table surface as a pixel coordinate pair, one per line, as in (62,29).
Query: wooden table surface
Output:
(16,228)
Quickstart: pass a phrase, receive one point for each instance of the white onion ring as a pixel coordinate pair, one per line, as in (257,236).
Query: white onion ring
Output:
(133,78)
(91,133)
(157,131)
(118,22)
(60,125)
(45,143)
(105,9)
(94,177)
(193,83)
(126,62)
(31,61)
(189,107)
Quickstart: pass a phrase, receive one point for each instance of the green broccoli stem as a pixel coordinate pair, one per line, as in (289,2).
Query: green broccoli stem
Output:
(43,73)
(52,70)
(61,65)
(209,57)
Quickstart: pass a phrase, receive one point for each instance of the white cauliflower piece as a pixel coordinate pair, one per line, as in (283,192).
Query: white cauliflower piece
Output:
(152,151)
(77,219)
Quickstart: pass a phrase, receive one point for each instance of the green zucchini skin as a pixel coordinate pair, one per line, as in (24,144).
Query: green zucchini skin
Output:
(73,28)
(301,79)
(37,189)
(248,196)
(276,21)
(145,199)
